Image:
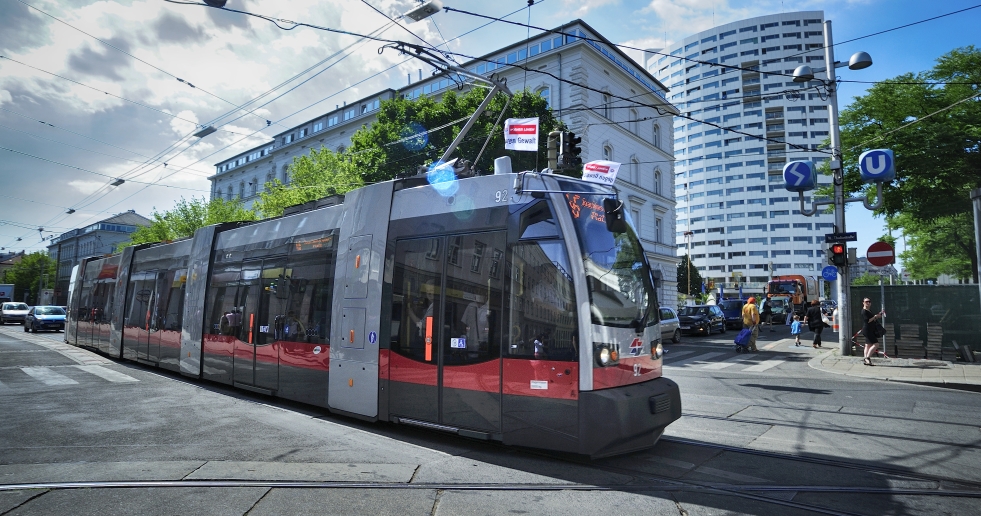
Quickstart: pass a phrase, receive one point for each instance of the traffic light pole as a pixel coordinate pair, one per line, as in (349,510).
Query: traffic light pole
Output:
(844,313)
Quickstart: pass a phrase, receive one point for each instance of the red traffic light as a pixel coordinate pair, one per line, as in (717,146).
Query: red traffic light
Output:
(838,249)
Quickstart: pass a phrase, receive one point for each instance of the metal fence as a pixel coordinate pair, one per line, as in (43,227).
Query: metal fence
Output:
(923,321)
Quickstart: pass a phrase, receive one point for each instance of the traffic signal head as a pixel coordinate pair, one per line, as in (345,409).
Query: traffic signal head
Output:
(574,151)
(554,147)
(838,255)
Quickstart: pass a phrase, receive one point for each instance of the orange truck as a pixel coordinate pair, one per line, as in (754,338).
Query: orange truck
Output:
(800,289)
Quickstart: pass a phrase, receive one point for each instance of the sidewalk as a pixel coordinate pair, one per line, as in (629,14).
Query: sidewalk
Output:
(937,372)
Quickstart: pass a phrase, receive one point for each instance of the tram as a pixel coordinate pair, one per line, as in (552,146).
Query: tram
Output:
(500,307)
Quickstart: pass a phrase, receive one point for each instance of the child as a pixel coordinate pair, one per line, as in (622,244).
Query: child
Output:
(795,328)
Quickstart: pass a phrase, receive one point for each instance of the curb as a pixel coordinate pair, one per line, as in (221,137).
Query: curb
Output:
(816,363)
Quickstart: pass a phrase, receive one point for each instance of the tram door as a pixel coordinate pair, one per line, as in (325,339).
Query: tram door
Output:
(143,307)
(256,360)
(447,301)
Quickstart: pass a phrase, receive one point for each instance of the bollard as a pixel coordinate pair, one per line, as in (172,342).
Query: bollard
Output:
(834,320)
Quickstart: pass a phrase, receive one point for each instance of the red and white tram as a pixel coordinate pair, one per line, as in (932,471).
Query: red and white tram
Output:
(498,307)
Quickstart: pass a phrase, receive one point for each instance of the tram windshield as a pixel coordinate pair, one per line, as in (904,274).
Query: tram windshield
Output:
(621,290)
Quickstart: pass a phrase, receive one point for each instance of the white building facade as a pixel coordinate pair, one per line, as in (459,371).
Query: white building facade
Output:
(595,78)
(733,211)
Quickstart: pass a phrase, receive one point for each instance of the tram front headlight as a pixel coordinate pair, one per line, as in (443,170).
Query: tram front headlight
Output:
(606,355)
(656,349)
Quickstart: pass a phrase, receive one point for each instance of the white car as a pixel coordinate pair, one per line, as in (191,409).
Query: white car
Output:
(13,313)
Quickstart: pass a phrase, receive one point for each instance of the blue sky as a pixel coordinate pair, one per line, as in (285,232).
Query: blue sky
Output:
(232,58)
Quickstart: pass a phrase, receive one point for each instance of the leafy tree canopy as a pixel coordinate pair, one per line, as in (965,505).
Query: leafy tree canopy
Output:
(411,133)
(932,122)
(25,275)
(313,176)
(938,158)
(941,246)
(186,217)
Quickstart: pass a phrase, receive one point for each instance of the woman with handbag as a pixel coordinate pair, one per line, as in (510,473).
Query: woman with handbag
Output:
(814,322)
(871,330)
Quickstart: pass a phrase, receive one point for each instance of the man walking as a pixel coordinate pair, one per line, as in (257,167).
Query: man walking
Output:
(751,320)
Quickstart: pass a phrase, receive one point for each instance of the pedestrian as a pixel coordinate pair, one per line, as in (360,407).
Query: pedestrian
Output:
(751,320)
(814,322)
(766,316)
(869,329)
(795,329)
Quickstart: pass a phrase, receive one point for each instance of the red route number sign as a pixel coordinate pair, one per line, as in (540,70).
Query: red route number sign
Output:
(881,254)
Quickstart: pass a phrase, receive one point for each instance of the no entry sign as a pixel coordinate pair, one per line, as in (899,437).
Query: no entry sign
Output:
(881,254)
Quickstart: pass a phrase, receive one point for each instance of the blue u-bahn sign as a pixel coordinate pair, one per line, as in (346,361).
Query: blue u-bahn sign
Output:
(877,165)
(800,176)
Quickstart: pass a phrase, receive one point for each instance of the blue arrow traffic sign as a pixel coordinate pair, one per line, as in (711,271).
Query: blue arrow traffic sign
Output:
(800,176)
(829,273)
(877,165)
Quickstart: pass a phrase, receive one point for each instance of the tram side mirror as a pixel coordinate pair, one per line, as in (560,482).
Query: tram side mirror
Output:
(616,222)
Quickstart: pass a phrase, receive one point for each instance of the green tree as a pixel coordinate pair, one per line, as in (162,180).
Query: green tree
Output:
(186,217)
(318,174)
(689,285)
(866,279)
(940,246)
(938,158)
(26,275)
(411,133)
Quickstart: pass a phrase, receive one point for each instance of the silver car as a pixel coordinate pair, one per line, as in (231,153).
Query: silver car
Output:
(13,313)
(670,326)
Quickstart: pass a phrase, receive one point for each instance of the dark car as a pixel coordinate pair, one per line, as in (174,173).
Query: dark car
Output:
(733,310)
(702,319)
(45,318)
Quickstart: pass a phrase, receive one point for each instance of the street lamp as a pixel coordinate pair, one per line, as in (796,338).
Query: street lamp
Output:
(804,73)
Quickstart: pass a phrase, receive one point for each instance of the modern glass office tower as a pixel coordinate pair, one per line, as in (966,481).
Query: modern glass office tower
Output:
(733,212)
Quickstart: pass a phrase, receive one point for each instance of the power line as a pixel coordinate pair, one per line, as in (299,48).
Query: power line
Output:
(89,171)
(105,92)
(918,120)
(165,72)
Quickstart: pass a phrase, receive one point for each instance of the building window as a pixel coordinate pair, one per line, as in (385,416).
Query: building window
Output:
(657,182)
(546,93)
(657,229)
(633,121)
(286,174)
(253,186)
(608,153)
(241,190)
(606,106)
(229,196)
(656,140)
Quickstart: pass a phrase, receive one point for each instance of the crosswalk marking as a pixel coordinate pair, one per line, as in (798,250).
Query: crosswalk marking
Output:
(47,376)
(675,354)
(763,366)
(725,363)
(686,361)
(107,374)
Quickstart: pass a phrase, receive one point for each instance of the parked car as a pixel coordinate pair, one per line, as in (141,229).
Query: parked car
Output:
(41,318)
(828,306)
(733,310)
(13,312)
(702,319)
(670,326)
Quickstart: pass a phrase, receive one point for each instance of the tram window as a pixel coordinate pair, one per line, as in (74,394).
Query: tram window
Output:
(543,303)
(416,281)
(139,299)
(227,299)
(473,302)
(311,290)
(171,306)
(537,222)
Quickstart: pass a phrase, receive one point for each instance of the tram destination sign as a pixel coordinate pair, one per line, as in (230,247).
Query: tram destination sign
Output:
(834,238)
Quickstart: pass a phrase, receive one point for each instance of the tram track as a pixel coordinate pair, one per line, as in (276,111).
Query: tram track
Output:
(749,492)
(897,472)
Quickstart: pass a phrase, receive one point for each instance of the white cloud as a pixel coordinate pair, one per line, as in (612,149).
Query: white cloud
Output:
(5,97)
(86,187)
(185,122)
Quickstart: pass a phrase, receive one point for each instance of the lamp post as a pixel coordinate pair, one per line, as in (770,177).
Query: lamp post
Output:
(804,73)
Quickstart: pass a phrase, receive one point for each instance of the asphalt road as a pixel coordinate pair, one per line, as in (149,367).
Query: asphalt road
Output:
(81,434)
